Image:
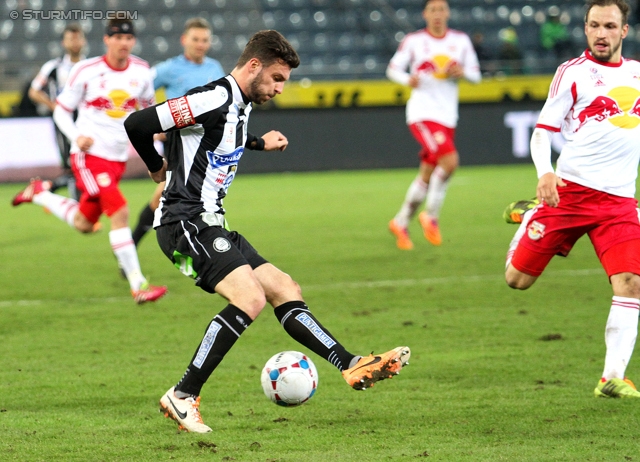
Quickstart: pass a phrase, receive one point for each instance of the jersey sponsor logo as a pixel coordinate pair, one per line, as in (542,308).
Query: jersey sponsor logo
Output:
(181,112)
(620,107)
(315,329)
(220,244)
(221,177)
(207,343)
(224,160)
(535,231)
(599,109)
(116,104)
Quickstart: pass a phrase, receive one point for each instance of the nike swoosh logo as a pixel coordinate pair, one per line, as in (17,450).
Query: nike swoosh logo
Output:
(182,415)
(375,360)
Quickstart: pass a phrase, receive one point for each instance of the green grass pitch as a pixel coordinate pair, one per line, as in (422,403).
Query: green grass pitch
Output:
(495,374)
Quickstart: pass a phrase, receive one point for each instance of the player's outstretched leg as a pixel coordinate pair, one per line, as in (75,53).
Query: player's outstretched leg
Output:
(185,411)
(616,388)
(373,368)
(514,212)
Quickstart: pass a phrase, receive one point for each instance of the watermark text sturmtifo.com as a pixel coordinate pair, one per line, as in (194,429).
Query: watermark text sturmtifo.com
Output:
(73,15)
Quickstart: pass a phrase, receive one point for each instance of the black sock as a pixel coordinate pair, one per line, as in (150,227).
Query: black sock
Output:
(300,324)
(222,332)
(145,222)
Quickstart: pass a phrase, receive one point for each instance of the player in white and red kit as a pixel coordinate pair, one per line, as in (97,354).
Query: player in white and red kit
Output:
(431,61)
(594,100)
(104,90)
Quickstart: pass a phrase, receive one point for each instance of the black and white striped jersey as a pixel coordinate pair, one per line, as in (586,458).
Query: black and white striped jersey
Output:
(207,137)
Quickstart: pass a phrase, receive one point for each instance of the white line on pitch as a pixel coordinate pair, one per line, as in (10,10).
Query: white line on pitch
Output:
(442,280)
(341,285)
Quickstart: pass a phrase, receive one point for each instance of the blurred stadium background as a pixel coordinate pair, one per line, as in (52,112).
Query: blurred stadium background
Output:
(345,46)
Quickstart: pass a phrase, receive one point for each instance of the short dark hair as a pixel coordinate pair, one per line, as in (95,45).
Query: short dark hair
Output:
(269,46)
(73,28)
(196,23)
(624,7)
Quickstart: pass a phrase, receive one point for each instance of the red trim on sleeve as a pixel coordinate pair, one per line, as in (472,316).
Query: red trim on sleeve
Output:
(82,67)
(548,127)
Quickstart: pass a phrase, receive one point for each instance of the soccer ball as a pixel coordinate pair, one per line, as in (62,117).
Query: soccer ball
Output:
(289,378)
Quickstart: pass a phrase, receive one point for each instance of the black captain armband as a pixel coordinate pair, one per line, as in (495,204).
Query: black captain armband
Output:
(254,143)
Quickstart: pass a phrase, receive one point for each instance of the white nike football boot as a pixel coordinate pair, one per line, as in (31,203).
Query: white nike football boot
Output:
(184,411)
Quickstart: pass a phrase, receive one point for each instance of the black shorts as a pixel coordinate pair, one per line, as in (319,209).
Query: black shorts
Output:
(206,253)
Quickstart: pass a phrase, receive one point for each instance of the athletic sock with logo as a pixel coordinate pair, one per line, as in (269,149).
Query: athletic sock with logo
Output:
(620,336)
(300,324)
(223,331)
(416,194)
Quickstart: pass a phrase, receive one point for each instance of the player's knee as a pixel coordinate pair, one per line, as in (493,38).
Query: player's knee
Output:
(289,289)
(518,280)
(253,303)
(251,299)
(82,224)
(626,285)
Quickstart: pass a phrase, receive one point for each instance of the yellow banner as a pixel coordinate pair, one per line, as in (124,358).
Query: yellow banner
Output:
(349,93)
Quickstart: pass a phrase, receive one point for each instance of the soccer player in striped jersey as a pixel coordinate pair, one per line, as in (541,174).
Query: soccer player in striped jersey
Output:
(207,136)
(178,75)
(594,100)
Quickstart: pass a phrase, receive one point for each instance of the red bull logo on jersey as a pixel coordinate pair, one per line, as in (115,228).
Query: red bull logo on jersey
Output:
(437,66)
(600,109)
(117,104)
(620,107)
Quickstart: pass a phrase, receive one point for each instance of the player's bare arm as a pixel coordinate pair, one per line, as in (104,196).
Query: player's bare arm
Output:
(40,97)
(275,141)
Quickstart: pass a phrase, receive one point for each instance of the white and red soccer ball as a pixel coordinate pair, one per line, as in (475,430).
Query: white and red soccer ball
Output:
(289,378)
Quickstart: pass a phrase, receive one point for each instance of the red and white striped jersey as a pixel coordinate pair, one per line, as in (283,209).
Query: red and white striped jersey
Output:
(104,97)
(596,105)
(436,97)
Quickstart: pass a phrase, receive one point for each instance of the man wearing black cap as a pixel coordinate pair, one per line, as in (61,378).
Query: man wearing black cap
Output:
(104,90)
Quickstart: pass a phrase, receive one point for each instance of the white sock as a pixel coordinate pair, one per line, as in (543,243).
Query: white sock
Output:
(62,207)
(416,194)
(125,251)
(526,216)
(620,336)
(437,191)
